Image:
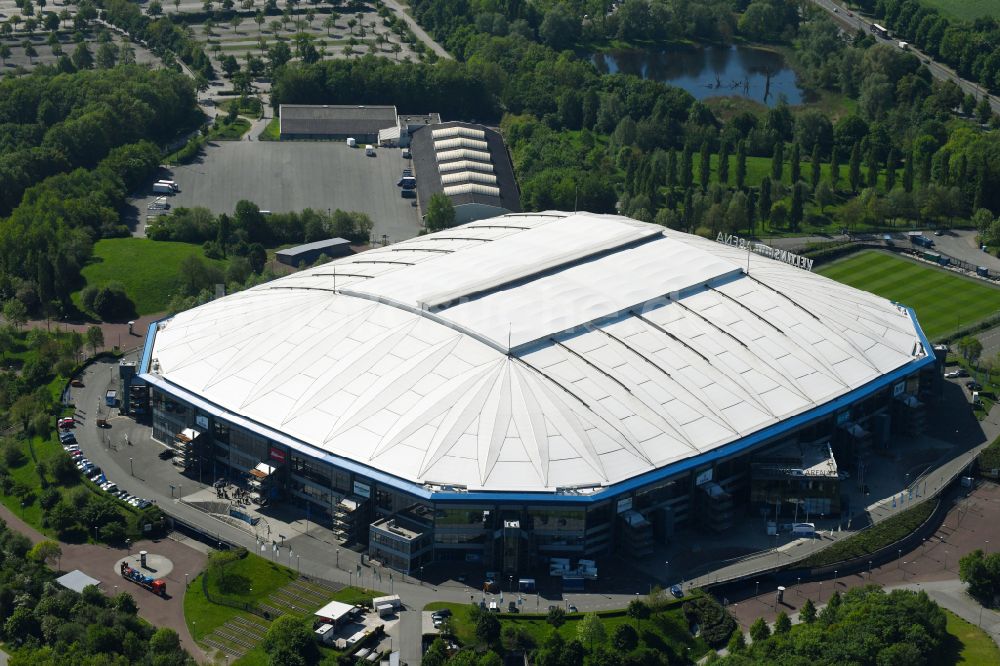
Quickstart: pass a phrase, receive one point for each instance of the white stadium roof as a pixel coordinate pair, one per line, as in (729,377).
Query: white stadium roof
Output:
(534,352)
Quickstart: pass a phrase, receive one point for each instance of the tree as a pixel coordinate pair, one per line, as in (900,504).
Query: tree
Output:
(704,166)
(556,616)
(778,161)
(782,623)
(982,574)
(257,256)
(82,57)
(834,168)
(287,638)
(638,611)
(795,215)
(970,348)
(908,173)
(591,630)
(764,202)
(15,313)
(440,212)
(854,169)
(796,163)
(741,164)
(759,631)
(890,170)
(983,110)
(687,166)
(107,55)
(95,338)
(29,50)
(814,168)
(808,612)
(488,628)
(738,643)
(4,53)
(625,638)
(46,552)
(165,640)
(824,195)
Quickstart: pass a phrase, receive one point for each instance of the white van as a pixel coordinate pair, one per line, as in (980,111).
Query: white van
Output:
(172,184)
(804,529)
(406,153)
(370,150)
(976,400)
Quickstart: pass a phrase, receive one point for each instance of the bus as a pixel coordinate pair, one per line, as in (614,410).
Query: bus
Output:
(880,31)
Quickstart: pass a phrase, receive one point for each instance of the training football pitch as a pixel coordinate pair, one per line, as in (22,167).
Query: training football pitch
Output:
(943,301)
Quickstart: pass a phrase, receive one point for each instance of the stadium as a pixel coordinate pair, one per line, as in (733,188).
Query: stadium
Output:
(539,386)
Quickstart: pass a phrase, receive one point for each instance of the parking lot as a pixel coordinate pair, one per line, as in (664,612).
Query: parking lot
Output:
(291,176)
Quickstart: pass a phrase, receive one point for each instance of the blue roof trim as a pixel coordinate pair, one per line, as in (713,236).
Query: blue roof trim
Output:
(604,494)
(147,346)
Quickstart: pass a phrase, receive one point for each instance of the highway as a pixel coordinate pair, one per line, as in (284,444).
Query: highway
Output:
(850,20)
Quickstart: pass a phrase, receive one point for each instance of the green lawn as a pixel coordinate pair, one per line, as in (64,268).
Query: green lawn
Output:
(148,269)
(204,617)
(967,10)
(666,627)
(974,647)
(272,131)
(944,302)
(231,132)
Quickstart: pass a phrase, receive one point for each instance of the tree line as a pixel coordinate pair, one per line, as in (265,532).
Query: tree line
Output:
(573,24)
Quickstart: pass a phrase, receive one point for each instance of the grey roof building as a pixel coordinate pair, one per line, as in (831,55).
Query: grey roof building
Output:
(470,164)
(333,122)
(310,252)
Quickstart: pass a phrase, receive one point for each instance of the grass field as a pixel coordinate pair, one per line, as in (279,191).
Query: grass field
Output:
(943,301)
(966,10)
(148,269)
(975,646)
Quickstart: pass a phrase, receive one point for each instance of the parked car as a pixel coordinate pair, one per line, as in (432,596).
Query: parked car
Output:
(63,436)
(444,612)
(573,609)
(97,478)
(677,591)
(77,383)
(973,385)
(166,454)
(76,454)
(144,504)
(954,374)
(66,423)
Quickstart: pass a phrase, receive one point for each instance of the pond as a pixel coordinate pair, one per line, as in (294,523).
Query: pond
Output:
(711,71)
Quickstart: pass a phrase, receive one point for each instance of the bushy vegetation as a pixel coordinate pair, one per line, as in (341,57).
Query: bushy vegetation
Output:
(651,631)
(972,48)
(981,572)
(717,625)
(44,623)
(876,537)
(53,122)
(864,626)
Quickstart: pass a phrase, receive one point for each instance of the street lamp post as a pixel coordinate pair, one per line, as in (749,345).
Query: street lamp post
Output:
(338,558)
(130,468)
(869,569)
(835,577)
(899,556)
(821,591)
(757,589)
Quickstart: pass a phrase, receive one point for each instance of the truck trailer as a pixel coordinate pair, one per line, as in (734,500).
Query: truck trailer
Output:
(156,586)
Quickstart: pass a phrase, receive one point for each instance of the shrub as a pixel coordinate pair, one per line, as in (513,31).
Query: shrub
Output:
(13,456)
(716,623)
(49,498)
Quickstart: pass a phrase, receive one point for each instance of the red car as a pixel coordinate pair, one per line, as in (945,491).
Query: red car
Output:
(66,423)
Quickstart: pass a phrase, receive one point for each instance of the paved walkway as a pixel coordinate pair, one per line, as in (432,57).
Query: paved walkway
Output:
(974,522)
(99,562)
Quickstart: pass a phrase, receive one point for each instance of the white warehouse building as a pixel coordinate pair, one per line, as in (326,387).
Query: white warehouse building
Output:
(530,386)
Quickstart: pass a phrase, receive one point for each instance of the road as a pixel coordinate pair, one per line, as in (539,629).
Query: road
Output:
(851,20)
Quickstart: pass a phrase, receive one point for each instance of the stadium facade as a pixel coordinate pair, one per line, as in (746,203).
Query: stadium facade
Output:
(546,385)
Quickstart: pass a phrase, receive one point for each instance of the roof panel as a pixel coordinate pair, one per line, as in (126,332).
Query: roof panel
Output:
(532,352)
